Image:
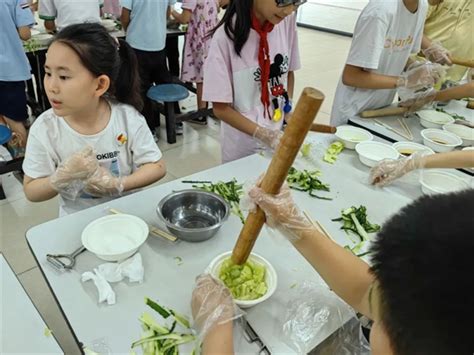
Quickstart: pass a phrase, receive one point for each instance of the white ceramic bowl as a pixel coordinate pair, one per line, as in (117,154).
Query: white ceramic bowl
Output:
(441,182)
(43,39)
(115,237)
(270,276)
(351,136)
(433,118)
(408,148)
(463,132)
(370,153)
(109,25)
(440,141)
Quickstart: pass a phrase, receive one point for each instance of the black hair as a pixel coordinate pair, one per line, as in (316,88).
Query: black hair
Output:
(238,28)
(423,260)
(102,54)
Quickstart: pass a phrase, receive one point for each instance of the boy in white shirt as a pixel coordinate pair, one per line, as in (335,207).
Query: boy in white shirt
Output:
(58,14)
(386,34)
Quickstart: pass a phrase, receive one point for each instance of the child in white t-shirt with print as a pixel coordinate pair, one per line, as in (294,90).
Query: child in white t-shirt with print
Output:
(248,74)
(92,145)
(386,34)
(58,14)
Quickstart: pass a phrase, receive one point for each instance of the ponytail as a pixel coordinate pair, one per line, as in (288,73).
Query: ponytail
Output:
(127,84)
(237,23)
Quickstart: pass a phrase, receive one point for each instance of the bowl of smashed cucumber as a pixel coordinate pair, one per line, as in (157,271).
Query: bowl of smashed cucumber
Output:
(250,283)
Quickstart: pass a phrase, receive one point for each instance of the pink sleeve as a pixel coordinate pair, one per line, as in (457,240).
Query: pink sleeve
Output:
(294,51)
(218,81)
(189,5)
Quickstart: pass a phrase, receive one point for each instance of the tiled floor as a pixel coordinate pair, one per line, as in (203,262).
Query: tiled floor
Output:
(323,56)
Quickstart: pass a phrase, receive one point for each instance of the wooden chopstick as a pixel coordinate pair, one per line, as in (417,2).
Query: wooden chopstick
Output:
(406,128)
(396,131)
(318,225)
(153,230)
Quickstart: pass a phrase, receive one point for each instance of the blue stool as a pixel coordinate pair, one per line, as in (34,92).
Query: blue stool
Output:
(5,134)
(168,94)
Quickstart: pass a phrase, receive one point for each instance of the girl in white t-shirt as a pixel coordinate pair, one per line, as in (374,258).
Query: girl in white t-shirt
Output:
(386,34)
(248,74)
(93,144)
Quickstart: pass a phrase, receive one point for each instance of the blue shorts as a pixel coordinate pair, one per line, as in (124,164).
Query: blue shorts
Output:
(13,100)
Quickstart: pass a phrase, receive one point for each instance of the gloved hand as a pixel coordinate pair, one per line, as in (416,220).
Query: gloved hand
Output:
(386,171)
(436,53)
(418,100)
(68,179)
(102,183)
(421,75)
(212,304)
(269,137)
(281,211)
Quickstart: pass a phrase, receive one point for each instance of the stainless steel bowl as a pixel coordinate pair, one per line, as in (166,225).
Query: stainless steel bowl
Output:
(193,215)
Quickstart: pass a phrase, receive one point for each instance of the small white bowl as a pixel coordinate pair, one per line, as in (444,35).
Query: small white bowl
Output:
(434,119)
(441,182)
(42,39)
(351,136)
(271,278)
(440,141)
(115,237)
(109,25)
(370,153)
(463,132)
(408,148)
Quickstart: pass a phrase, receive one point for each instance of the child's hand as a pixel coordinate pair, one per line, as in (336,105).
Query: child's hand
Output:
(421,75)
(102,183)
(385,172)
(418,100)
(269,137)
(436,53)
(211,304)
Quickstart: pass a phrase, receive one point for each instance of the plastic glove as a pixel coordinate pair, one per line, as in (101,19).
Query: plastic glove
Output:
(102,183)
(436,53)
(68,177)
(281,210)
(386,171)
(421,75)
(212,304)
(418,101)
(269,137)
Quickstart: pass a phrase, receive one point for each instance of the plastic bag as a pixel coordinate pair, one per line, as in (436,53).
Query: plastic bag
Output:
(314,310)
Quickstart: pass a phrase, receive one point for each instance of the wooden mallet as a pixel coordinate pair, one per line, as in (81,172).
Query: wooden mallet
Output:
(306,109)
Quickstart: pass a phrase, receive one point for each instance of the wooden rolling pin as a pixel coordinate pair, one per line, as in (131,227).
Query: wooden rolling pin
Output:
(383,112)
(306,109)
(322,128)
(463,62)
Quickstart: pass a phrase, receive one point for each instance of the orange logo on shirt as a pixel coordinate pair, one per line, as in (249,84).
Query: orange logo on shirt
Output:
(122,139)
(391,43)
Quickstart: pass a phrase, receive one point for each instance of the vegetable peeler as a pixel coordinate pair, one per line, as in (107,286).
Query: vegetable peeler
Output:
(63,262)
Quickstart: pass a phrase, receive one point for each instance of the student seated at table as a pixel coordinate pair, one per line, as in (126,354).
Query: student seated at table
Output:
(417,291)
(58,14)
(386,34)
(93,144)
(386,171)
(15,25)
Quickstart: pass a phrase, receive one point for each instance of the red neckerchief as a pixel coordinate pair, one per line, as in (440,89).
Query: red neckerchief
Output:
(263,59)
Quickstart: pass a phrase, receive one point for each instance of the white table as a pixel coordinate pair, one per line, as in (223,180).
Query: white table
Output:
(171,284)
(22,329)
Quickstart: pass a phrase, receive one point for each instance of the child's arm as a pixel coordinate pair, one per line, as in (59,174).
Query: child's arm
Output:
(184,17)
(38,190)
(219,340)
(125,18)
(291,84)
(226,113)
(50,25)
(456,93)
(365,79)
(24,32)
(345,274)
(145,175)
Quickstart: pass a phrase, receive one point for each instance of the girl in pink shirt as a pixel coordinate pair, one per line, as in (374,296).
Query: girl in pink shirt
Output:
(248,74)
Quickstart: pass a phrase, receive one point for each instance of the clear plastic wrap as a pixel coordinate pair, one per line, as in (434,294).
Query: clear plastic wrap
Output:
(103,184)
(438,54)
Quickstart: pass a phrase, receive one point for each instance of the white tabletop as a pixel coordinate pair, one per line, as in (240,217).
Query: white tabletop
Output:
(172,285)
(21,327)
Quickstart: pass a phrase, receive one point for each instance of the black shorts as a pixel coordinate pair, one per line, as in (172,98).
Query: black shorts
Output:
(13,100)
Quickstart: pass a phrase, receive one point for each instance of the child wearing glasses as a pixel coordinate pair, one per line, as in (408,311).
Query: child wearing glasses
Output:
(248,74)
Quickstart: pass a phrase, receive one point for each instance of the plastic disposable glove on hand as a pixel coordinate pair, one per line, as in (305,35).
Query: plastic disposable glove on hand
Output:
(103,184)
(212,305)
(386,171)
(436,53)
(421,75)
(281,211)
(68,179)
(418,100)
(269,137)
